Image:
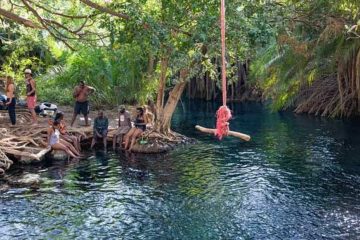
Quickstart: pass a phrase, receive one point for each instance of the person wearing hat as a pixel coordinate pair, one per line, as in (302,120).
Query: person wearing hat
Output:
(30,94)
(81,93)
(124,125)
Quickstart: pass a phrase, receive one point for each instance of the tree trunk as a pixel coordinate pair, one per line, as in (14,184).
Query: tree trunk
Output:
(163,123)
(151,65)
(232,91)
(208,86)
(357,67)
(161,89)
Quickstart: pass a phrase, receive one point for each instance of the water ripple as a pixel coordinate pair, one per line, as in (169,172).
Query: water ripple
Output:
(299,178)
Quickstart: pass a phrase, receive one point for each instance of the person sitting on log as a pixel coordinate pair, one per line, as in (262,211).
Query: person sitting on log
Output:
(137,130)
(101,125)
(54,140)
(124,125)
(65,134)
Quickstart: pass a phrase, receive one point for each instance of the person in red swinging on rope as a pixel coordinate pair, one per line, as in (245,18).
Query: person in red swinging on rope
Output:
(30,94)
(81,93)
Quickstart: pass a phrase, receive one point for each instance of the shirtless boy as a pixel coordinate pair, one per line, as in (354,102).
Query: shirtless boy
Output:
(81,93)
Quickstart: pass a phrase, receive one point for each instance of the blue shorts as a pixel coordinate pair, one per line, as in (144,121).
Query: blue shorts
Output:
(103,134)
(82,107)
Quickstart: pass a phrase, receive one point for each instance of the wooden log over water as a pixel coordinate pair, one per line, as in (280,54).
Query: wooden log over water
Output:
(212,131)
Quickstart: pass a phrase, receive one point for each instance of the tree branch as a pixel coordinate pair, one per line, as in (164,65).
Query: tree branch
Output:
(18,19)
(104,9)
(61,14)
(124,16)
(44,25)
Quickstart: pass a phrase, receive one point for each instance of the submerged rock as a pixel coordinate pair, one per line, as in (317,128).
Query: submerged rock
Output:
(57,155)
(140,174)
(28,179)
(152,148)
(4,187)
(160,145)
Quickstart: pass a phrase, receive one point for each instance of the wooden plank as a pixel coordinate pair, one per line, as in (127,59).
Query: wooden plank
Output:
(212,131)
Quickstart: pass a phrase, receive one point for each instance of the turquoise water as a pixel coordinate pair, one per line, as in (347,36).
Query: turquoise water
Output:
(299,178)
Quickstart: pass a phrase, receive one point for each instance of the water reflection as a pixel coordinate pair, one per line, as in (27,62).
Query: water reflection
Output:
(298,178)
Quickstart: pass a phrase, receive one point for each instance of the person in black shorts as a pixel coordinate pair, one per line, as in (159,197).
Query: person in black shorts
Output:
(81,93)
(82,108)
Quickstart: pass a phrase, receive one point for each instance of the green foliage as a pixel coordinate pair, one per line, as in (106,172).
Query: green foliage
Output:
(290,43)
(118,76)
(310,43)
(23,51)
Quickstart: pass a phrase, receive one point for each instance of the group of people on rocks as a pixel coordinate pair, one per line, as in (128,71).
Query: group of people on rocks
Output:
(126,133)
(10,101)
(60,139)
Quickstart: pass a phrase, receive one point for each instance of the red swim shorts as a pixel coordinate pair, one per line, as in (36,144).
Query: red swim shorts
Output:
(31,102)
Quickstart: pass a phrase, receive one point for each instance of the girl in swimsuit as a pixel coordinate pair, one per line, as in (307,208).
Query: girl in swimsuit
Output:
(65,135)
(54,140)
(137,130)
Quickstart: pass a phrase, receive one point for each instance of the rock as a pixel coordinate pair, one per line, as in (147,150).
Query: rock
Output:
(28,179)
(154,146)
(151,148)
(140,174)
(81,122)
(57,155)
(4,187)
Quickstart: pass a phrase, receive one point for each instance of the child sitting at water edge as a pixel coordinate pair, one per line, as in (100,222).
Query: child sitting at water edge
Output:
(54,140)
(101,125)
(64,134)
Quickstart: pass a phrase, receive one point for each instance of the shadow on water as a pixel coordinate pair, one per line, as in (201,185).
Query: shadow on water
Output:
(298,178)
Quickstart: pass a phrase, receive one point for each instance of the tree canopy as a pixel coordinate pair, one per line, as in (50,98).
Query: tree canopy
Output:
(138,48)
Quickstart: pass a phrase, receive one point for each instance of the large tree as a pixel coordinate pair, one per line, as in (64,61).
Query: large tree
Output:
(180,37)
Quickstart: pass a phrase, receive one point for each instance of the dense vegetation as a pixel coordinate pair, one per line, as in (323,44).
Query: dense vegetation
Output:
(313,62)
(301,54)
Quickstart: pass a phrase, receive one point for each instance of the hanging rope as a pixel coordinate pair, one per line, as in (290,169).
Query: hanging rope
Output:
(223,114)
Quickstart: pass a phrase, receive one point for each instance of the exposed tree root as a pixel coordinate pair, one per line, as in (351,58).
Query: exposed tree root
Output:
(159,142)
(337,95)
(27,144)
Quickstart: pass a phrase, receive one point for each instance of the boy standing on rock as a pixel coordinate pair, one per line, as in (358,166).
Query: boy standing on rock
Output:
(81,93)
